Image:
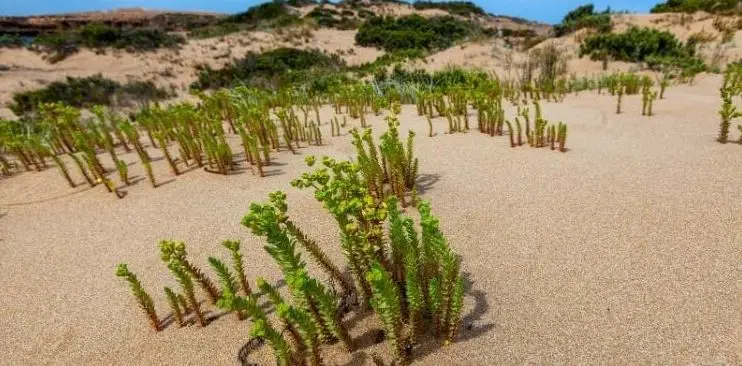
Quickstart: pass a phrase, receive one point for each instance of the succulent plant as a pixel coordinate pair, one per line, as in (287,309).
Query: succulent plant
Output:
(143,299)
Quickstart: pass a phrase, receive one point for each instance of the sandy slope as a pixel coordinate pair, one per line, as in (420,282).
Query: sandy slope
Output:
(625,250)
(167,68)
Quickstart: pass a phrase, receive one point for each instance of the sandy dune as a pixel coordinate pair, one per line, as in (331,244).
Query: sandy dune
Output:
(28,70)
(625,250)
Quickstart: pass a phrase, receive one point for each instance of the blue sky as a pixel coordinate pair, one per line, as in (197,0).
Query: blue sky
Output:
(543,10)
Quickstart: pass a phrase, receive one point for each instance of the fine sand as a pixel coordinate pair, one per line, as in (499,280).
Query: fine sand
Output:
(624,250)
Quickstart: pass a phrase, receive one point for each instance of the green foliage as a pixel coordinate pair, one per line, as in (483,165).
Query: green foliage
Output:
(143,298)
(172,251)
(462,8)
(686,67)
(731,87)
(387,304)
(690,6)
(326,17)
(174,302)
(412,32)
(440,267)
(265,220)
(272,69)
(237,264)
(584,17)
(226,278)
(298,322)
(186,282)
(261,326)
(86,92)
(634,45)
(401,165)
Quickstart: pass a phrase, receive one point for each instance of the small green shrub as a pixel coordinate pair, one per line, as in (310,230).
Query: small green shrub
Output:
(271,69)
(634,45)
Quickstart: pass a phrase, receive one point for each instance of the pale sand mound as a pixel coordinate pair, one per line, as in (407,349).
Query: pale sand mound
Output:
(624,250)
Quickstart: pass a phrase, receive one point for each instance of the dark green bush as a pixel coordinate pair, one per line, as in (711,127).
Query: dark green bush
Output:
(462,8)
(412,32)
(86,92)
(634,45)
(259,13)
(690,6)
(325,17)
(99,35)
(584,17)
(271,69)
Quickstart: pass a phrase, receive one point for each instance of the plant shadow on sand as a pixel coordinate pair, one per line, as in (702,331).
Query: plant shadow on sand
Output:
(48,199)
(426,182)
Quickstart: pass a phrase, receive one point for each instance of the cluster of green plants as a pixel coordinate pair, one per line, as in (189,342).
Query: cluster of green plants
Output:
(99,36)
(188,136)
(461,8)
(488,98)
(584,17)
(543,134)
(87,91)
(266,121)
(273,69)
(410,277)
(691,6)
(623,84)
(412,32)
(57,133)
(728,112)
